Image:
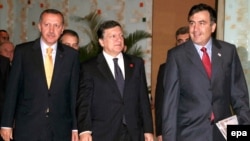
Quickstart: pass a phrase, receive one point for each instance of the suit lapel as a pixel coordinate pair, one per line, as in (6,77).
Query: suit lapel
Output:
(38,58)
(193,55)
(196,60)
(216,58)
(58,63)
(106,72)
(129,68)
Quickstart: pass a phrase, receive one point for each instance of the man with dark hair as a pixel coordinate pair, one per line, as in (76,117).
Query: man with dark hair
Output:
(4,73)
(70,37)
(4,36)
(113,102)
(42,87)
(203,81)
(182,35)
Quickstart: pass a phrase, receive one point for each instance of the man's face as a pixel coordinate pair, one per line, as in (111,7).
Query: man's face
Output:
(70,40)
(182,38)
(4,36)
(7,50)
(113,41)
(201,28)
(51,27)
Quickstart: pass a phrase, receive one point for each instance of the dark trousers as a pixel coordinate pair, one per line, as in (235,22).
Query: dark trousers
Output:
(47,134)
(124,134)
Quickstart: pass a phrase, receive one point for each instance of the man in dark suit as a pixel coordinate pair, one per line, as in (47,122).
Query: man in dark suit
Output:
(196,98)
(106,112)
(181,36)
(4,73)
(70,37)
(37,108)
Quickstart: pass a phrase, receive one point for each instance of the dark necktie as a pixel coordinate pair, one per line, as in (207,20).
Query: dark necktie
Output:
(119,81)
(208,67)
(118,76)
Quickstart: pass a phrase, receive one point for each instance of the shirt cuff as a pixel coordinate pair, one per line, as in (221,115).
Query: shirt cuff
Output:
(85,132)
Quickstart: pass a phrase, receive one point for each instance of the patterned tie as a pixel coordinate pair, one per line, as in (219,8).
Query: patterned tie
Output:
(48,65)
(118,76)
(208,67)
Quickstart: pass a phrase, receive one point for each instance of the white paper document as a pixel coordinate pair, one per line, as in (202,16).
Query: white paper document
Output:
(222,124)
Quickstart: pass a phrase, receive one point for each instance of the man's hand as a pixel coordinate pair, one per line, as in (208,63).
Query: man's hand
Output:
(149,137)
(75,136)
(6,134)
(85,137)
(159,138)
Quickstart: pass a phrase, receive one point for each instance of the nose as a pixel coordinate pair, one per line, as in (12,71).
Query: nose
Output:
(51,29)
(6,38)
(196,27)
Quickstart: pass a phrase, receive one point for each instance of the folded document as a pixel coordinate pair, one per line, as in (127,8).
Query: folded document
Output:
(222,124)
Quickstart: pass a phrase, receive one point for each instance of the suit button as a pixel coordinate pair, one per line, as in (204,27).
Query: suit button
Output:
(47,112)
(49,94)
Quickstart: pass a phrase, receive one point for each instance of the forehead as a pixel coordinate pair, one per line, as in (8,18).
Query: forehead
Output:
(52,17)
(183,36)
(4,34)
(200,16)
(69,37)
(112,30)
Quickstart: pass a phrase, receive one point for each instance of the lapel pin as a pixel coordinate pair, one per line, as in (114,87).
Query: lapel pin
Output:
(131,65)
(219,54)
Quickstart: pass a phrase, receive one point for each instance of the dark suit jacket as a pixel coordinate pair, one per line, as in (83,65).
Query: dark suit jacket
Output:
(28,97)
(4,72)
(100,106)
(159,92)
(190,97)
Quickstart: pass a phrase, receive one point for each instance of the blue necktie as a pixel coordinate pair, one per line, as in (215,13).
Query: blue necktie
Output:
(118,76)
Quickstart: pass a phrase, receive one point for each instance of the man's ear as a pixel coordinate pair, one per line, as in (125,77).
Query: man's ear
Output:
(101,42)
(39,26)
(213,27)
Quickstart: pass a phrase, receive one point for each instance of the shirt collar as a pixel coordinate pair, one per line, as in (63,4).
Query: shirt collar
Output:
(44,45)
(109,57)
(208,45)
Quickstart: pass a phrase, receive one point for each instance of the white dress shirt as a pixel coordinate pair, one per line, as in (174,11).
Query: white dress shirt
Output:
(110,62)
(44,47)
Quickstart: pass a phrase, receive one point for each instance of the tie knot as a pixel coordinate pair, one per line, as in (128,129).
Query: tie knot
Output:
(49,50)
(203,49)
(115,60)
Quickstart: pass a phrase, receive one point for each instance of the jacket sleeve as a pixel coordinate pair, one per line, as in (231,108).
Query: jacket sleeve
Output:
(239,91)
(170,99)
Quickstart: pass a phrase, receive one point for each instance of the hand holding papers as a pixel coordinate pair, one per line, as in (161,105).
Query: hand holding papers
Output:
(222,124)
